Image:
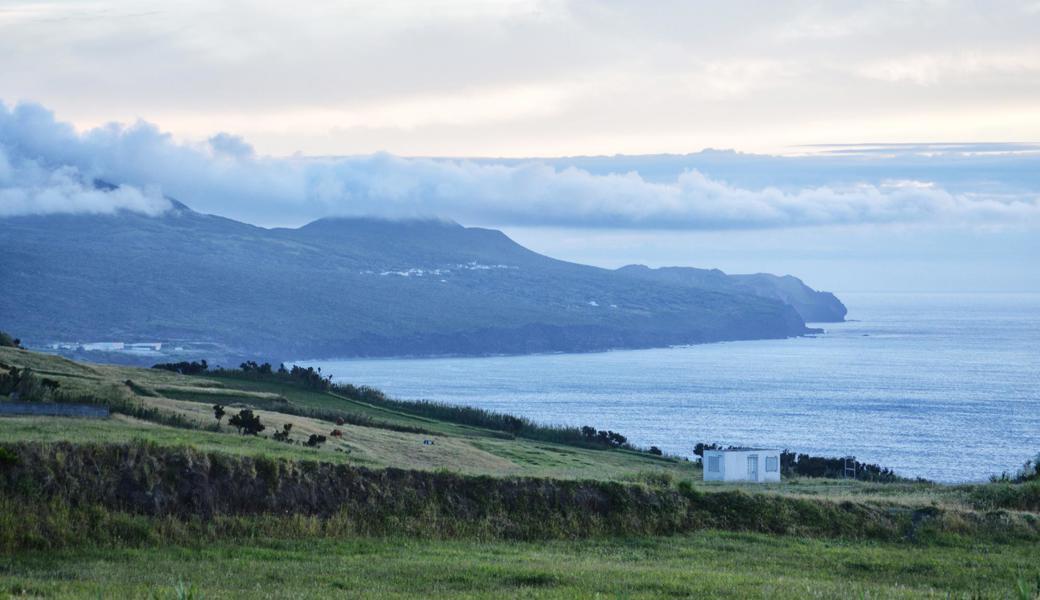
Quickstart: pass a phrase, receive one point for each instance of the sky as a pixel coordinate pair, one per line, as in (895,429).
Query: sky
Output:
(860,146)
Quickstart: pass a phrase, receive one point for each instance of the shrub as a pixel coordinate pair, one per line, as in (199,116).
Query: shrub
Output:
(8,341)
(184,367)
(283,435)
(825,466)
(246,422)
(7,457)
(26,386)
(1030,471)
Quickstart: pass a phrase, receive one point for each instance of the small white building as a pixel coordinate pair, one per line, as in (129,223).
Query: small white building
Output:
(742,464)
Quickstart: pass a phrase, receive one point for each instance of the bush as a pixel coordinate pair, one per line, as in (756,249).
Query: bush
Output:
(283,435)
(834,468)
(306,377)
(26,386)
(7,457)
(184,367)
(246,422)
(1030,471)
(10,342)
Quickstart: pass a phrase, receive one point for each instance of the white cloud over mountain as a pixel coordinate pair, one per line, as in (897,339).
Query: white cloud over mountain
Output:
(46,166)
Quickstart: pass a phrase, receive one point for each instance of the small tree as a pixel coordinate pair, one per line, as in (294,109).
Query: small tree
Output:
(218,412)
(7,340)
(246,422)
(315,440)
(655,451)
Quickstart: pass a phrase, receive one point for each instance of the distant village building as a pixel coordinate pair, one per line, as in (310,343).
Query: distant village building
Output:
(758,465)
(104,346)
(129,347)
(145,346)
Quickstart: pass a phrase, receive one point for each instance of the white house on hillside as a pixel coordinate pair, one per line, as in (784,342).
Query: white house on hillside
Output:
(742,464)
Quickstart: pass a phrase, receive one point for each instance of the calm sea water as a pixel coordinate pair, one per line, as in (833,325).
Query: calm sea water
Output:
(942,386)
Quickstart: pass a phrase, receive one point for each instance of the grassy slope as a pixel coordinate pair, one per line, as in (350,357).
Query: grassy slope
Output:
(456,447)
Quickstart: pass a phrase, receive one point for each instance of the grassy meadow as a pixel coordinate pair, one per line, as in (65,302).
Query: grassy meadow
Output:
(404,505)
(709,564)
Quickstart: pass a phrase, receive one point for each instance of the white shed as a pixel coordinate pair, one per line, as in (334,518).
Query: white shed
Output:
(742,464)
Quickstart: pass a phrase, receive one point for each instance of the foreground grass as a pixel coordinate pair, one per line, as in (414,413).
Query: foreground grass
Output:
(708,564)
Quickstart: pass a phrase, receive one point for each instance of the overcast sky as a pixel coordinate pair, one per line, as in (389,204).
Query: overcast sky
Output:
(237,99)
(534,78)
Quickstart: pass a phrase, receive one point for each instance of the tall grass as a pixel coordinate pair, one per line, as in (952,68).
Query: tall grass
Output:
(54,494)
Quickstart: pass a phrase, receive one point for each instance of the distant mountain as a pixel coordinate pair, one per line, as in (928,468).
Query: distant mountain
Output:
(215,287)
(812,306)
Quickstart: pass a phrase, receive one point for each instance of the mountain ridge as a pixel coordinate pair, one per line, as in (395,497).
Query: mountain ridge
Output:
(343,287)
(812,305)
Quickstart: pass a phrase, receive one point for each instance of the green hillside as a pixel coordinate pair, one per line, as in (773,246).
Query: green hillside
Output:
(159,500)
(385,442)
(343,287)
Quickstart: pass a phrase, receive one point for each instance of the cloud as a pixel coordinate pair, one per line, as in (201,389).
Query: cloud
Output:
(35,181)
(231,145)
(521,77)
(49,167)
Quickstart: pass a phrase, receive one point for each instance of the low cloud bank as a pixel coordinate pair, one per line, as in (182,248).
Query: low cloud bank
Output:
(47,167)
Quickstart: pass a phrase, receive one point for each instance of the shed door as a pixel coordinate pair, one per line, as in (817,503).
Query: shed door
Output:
(752,467)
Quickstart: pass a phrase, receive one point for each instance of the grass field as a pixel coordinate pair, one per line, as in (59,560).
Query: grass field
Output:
(703,565)
(293,558)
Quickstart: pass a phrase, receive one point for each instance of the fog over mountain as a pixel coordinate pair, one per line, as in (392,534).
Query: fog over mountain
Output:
(46,166)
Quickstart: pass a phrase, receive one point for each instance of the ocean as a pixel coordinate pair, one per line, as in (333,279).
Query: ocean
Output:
(940,386)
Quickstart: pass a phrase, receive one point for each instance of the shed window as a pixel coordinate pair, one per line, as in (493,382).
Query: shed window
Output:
(713,464)
(772,465)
